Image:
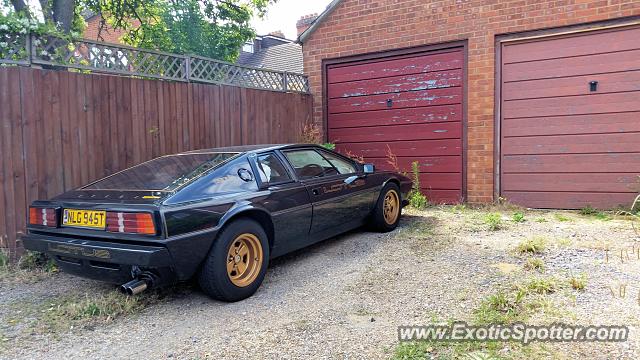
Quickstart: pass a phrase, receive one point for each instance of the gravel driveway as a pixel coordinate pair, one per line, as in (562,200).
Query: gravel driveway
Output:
(345,297)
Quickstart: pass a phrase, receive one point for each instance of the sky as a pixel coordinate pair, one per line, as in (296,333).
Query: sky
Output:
(284,13)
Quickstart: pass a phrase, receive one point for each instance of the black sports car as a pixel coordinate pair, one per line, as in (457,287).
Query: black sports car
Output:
(218,214)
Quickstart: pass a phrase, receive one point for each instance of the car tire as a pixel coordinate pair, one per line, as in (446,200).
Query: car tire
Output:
(237,262)
(386,214)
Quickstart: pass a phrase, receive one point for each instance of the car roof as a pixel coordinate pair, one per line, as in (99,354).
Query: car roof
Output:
(250,148)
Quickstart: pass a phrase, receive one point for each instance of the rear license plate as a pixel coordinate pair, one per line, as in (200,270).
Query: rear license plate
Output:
(84,218)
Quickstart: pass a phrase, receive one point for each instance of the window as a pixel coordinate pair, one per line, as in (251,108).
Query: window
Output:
(310,164)
(248,47)
(163,173)
(343,166)
(271,169)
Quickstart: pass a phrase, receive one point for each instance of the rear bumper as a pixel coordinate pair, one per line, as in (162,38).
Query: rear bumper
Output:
(100,260)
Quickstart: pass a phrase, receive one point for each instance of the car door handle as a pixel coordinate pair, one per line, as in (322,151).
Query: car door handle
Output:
(315,191)
(353,178)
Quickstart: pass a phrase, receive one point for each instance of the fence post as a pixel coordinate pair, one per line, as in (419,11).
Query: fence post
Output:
(285,81)
(188,68)
(29,48)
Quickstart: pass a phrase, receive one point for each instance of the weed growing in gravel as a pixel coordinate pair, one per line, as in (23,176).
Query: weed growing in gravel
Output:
(500,308)
(541,220)
(600,215)
(564,242)
(578,282)
(540,286)
(4,259)
(493,221)
(32,267)
(64,313)
(603,216)
(532,245)
(536,264)
(562,217)
(588,210)
(420,228)
(421,350)
(459,208)
(518,217)
(61,314)
(416,199)
(32,260)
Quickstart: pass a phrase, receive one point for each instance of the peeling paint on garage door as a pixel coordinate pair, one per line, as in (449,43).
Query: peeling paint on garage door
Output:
(411,105)
(570,120)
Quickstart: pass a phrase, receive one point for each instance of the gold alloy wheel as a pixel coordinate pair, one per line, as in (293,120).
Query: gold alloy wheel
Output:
(391,205)
(244,260)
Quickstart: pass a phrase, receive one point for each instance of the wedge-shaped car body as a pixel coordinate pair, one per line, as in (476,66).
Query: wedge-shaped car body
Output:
(218,214)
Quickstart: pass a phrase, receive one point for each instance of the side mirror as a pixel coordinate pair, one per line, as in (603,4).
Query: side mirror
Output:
(369,168)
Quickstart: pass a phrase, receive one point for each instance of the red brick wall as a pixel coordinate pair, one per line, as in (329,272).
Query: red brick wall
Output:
(364,26)
(107,34)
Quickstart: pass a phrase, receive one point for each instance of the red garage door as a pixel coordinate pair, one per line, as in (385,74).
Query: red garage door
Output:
(570,120)
(410,106)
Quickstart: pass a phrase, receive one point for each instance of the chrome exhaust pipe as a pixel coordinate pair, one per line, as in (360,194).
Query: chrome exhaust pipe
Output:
(134,287)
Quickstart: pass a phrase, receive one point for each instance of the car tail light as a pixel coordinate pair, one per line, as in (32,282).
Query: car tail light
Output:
(133,223)
(43,217)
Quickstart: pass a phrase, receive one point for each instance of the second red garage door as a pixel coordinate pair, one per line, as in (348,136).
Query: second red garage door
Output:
(410,106)
(570,132)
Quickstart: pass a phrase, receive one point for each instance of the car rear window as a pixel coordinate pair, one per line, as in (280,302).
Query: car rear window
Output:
(165,173)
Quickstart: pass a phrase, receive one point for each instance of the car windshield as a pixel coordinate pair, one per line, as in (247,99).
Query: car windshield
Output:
(165,173)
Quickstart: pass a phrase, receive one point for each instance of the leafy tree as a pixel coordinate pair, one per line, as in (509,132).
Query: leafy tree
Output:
(212,28)
(215,29)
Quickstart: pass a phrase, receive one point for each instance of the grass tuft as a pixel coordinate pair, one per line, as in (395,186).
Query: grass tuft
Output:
(540,286)
(578,282)
(518,217)
(493,221)
(562,217)
(588,210)
(536,264)
(534,245)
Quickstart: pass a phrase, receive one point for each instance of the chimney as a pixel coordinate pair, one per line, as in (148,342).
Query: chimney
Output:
(277,33)
(304,22)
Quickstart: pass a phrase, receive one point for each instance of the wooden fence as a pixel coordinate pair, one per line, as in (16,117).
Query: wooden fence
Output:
(60,130)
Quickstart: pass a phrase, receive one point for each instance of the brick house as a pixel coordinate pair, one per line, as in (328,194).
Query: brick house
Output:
(107,34)
(535,101)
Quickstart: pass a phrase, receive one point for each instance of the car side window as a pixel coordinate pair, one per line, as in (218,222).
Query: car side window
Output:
(343,166)
(271,169)
(309,164)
